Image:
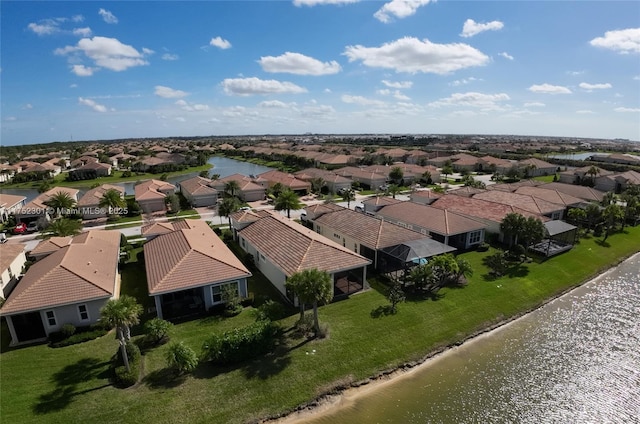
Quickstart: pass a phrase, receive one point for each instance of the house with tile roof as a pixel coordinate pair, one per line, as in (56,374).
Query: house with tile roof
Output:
(48,246)
(617,182)
(583,192)
(101,169)
(37,209)
(89,203)
(69,286)
(189,268)
(582,176)
(447,227)
(384,243)
(553,196)
(424,197)
(250,191)
(534,205)
(281,248)
(287,180)
(375,203)
(333,182)
(536,167)
(9,204)
(199,192)
(12,260)
(369,179)
(151,195)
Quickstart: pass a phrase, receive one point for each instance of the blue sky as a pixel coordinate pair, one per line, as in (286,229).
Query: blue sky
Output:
(104,70)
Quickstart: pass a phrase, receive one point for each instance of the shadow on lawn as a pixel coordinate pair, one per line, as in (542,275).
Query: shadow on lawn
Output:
(67,381)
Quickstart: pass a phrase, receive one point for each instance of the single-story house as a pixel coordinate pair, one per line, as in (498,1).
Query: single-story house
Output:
(69,286)
(375,239)
(583,192)
(9,204)
(48,246)
(188,269)
(151,231)
(12,260)
(582,175)
(529,203)
(617,182)
(375,203)
(447,227)
(151,195)
(332,181)
(250,191)
(535,167)
(553,196)
(199,192)
(287,180)
(89,203)
(37,209)
(372,180)
(101,169)
(281,248)
(424,197)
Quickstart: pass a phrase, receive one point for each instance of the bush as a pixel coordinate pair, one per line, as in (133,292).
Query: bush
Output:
(181,358)
(124,378)
(81,335)
(270,310)
(68,330)
(483,247)
(157,329)
(240,344)
(304,326)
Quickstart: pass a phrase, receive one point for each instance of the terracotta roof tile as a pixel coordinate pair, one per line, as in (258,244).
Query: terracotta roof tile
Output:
(582,192)
(152,189)
(93,196)
(477,208)
(10,200)
(51,245)
(198,186)
(522,201)
(437,220)
(84,270)
(8,253)
(189,258)
(293,247)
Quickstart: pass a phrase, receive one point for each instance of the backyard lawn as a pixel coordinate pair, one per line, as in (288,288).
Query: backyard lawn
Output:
(71,384)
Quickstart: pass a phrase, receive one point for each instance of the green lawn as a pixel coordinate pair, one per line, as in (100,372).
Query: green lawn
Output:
(544,178)
(71,384)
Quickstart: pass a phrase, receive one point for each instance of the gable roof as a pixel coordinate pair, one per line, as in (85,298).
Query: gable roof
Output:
(537,163)
(287,180)
(38,202)
(94,196)
(522,201)
(82,271)
(245,183)
(53,244)
(582,192)
(553,196)
(189,257)
(8,253)
(198,186)
(152,189)
(437,220)
(164,227)
(372,232)
(10,200)
(293,248)
(381,201)
(478,208)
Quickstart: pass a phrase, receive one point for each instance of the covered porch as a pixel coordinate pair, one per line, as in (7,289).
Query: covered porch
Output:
(398,260)
(560,238)
(180,304)
(348,282)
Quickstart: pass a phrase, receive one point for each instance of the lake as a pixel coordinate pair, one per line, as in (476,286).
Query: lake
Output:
(221,165)
(575,360)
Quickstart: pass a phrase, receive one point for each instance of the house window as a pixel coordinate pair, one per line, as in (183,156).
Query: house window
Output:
(216,291)
(556,215)
(318,229)
(242,242)
(355,247)
(261,257)
(51,318)
(475,237)
(83,312)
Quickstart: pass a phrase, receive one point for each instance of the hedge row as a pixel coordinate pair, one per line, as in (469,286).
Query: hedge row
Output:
(240,344)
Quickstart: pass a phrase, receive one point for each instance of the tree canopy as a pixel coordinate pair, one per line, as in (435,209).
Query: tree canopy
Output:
(286,201)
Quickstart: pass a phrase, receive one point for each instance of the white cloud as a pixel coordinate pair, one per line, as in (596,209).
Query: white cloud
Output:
(534,104)
(411,55)
(471,27)
(73,86)
(464,81)
(46,28)
(10,118)
(191,107)
(220,43)
(591,87)
(636,78)
(251,86)
(506,55)
(481,100)
(181,119)
(399,9)
(575,73)
(107,16)
(299,64)
(312,3)
(319,111)
(277,104)
(398,84)
(397,94)
(549,89)
(327,90)
(147,51)
(169,93)
(83,71)
(77,18)
(82,32)
(623,41)
(627,109)
(28,106)
(363,101)
(585,112)
(169,56)
(106,53)
(93,105)
(234,111)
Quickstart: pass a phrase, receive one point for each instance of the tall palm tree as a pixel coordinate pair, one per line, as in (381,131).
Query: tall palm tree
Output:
(286,201)
(312,286)
(228,206)
(112,199)
(60,202)
(62,227)
(608,198)
(512,225)
(232,188)
(611,215)
(592,172)
(393,190)
(348,196)
(121,314)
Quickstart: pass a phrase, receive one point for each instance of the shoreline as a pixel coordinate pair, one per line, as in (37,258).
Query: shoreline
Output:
(351,392)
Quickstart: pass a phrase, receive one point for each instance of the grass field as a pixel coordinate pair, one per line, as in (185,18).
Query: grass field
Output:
(71,384)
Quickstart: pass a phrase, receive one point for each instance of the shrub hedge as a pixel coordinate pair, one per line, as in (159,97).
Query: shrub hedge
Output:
(240,344)
(124,378)
(82,334)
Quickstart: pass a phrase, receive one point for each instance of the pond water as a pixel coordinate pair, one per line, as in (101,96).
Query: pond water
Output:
(576,360)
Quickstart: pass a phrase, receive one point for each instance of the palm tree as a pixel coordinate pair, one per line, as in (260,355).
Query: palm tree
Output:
(311,286)
(393,190)
(288,200)
(228,206)
(232,188)
(464,268)
(608,198)
(60,202)
(62,227)
(348,195)
(594,214)
(447,169)
(512,226)
(112,199)
(611,215)
(121,314)
(592,172)
(396,174)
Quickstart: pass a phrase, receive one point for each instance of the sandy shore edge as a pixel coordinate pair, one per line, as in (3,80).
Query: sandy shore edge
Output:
(347,393)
